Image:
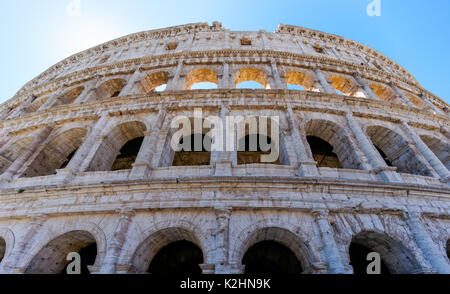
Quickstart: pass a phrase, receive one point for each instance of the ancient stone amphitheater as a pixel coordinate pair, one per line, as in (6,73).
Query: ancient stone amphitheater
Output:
(86,164)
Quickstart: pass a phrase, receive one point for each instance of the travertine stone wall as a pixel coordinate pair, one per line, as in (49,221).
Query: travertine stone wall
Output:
(90,104)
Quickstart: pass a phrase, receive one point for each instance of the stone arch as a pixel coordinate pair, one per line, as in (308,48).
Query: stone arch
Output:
(10,152)
(200,75)
(64,236)
(69,96)
(345,86)
(447,248)
(395,255)
(440,148)
(338,138)
(154,80)
(397,150)
(301,79)
(110,88)
(6,243)
(384,93)
(109,150)
(252,74)
(257,233)
(56,153)
(36,104)
(157,240)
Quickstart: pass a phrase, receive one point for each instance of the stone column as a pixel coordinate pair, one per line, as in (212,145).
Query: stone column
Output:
(117,241)
(223,159)
(367,89)
(276,76)
(19,110)
(225,80)
(400,95)
(86,95)
(21,249)
(307,165)
(175,83)
(130,87)
(324,82)
(387,173)
(426,244)
(19,163)
(429,155)
(142,167)
(333,256)
(223,215)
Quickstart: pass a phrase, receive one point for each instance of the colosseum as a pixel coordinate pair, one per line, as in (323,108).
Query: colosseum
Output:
(86,163)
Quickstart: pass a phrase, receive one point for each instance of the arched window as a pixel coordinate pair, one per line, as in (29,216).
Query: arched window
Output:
(252,75)
(69,97)
(201,78)
(51,259)
(56,153)
(300,81)
(250,149)
(345,86)
(2,249)
(416,100)
(396,151)
(385,94)
(128,154)
(36,104)
(323,153)
(110,89)
(10,152)
(440,148)
(192,156)
(154,82)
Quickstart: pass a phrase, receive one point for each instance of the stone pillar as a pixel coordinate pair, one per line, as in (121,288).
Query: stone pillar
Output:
(175,83)
(19,110)
(86,95)
(365,86)
(380,167)
(130,87)
(324,82)
(19,163)
(429,155)
(400,95)
(142,167)
(278,84)
(307,165)
(223,160)
(223,215)
(21,249)
(225,80)
(333,256)
(117,241)
(52,99)
(426,244)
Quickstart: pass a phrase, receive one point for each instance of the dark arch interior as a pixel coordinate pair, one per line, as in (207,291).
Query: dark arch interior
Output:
(270,257)
(65,163)
(115,94)
(88,255)
(250,151)
(189,156)
(2,248)
(448,248)
(358,260)
(178,258)
(323,153)
(385,158)
(128,154)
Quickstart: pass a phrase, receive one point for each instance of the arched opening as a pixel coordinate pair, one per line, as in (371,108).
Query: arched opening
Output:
(192,156)
(271,258)
(331,134)
(440,148)
(385,93)
(396,151)
(154,82)
(51,259)
(178,258)
(201,78)
(128,154)
(322,153)
(250,151)
(296,80)
(395,257)
(384,156)
(56,154)
(11,152)
(110,89)
(416,100)
(448,248)
(69,97)
(345,86)
(252,75)
(2,249)
(36,104)
(119,149)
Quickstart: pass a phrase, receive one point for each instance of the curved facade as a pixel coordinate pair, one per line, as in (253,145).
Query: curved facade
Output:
(86,164)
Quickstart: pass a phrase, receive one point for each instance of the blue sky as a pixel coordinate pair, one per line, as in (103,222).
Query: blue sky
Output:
(38,33)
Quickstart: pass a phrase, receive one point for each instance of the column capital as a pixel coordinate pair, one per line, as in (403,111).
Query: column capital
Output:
(320,213)
(126,213)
